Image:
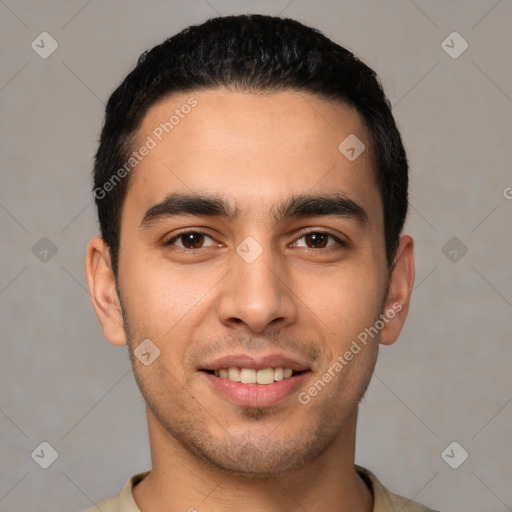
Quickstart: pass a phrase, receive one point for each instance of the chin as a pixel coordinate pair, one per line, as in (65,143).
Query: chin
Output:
(259,458)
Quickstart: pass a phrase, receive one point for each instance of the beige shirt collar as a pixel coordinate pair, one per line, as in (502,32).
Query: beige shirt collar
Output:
(384,500)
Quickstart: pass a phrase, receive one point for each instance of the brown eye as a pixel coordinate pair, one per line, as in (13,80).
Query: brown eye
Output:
(318,240)
(190,240)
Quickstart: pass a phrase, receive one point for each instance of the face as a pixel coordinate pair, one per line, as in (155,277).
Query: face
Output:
(251,248)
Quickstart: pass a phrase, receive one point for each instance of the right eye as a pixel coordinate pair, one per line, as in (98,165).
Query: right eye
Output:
(190,240)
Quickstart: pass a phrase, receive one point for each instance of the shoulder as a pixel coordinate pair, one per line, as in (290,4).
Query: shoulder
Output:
(387,501)
(124,502)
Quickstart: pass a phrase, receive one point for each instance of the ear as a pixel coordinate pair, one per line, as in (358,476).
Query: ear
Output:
(401,283)
(102,288)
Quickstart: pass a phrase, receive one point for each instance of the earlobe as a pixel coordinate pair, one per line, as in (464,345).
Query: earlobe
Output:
(102,288)
(401,283)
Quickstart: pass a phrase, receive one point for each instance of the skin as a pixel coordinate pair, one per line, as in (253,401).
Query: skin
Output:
(299,297)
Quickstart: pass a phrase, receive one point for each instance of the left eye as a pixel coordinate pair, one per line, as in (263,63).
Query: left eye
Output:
(318,240)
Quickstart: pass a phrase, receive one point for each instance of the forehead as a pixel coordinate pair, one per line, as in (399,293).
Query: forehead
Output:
(251,148)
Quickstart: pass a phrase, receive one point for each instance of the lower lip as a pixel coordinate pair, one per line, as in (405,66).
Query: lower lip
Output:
(256,395)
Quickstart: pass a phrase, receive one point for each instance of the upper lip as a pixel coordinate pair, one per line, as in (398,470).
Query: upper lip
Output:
(255,362)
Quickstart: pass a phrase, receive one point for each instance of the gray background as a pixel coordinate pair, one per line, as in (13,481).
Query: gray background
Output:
(448,377)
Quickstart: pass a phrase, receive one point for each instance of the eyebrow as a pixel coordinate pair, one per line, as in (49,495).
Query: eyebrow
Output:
(299,206)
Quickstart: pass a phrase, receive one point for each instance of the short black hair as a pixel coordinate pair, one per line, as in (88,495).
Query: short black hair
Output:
(253,53)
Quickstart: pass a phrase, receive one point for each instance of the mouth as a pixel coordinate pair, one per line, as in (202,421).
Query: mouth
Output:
(249,382)
(263,377)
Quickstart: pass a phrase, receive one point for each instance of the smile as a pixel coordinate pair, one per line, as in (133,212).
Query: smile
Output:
(249,387)
(264,376)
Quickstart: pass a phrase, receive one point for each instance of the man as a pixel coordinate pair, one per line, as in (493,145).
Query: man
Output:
(251,188)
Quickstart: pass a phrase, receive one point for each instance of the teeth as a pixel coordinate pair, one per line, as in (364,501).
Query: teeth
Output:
(247,376)
(234,374)
(250,376)
(265,376)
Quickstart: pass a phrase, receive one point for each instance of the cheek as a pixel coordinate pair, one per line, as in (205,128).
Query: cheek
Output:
(346,300)
(163,299)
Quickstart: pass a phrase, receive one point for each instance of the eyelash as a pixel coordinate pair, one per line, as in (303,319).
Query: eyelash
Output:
(179,235)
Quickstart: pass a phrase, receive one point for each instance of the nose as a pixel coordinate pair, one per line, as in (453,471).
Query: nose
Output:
(256,294)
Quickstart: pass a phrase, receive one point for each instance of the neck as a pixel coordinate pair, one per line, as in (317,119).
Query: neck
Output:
(180,481)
